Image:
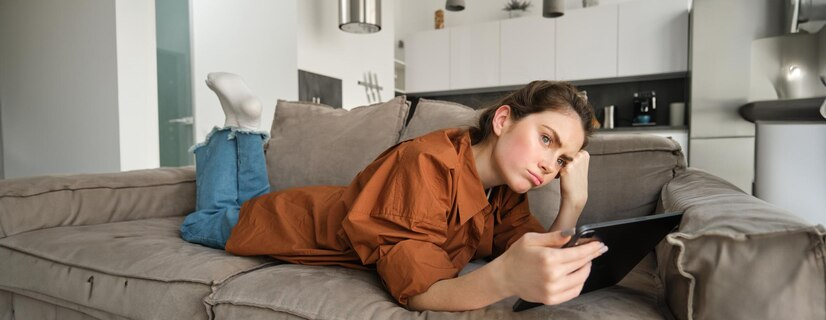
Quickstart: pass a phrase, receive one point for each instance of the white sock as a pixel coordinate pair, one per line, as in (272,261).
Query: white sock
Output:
(241,107)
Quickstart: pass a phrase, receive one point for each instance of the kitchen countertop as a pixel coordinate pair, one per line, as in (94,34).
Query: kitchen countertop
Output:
(807,109)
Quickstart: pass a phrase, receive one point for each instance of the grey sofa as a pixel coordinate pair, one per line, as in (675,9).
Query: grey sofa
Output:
(106,246)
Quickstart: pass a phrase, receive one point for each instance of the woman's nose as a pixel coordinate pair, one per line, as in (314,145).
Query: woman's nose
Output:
(546,166)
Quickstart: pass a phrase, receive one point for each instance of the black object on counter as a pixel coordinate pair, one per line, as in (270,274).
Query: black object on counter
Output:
(807,109)
(645,108)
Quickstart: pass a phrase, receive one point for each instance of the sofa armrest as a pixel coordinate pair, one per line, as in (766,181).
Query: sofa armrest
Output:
(28,204)
(738,257)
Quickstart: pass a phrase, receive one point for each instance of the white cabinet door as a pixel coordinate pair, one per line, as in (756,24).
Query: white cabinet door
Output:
(427,56)
(653,37)
(586,43)
(527,48)
(474,56)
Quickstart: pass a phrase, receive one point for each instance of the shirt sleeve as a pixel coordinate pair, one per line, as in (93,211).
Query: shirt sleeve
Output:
(410,267)
(398,221)
(515,222)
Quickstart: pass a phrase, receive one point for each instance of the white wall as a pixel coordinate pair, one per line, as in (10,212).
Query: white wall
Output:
(324,49)
(137,79)
(76,98)
(58,85)
(255,39)
(721,141)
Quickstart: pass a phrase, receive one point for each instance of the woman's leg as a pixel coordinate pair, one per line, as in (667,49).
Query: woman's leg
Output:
(252,167)
(216,183)
(230,165)
(238,99)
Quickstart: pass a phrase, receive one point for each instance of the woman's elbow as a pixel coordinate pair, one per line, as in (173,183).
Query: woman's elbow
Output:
(417,303)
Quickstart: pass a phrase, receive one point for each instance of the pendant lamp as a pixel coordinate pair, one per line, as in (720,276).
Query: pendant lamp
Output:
(359,16)
(553,8)
(455,5)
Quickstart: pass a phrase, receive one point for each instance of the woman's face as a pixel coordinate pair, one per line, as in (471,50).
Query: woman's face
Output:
(530,152)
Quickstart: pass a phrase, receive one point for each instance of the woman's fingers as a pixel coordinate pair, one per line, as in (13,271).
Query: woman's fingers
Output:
(586,251)
(569,267)
(576,280)
(569,287)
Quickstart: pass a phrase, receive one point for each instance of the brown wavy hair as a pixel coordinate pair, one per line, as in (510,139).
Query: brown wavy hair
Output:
(535,97)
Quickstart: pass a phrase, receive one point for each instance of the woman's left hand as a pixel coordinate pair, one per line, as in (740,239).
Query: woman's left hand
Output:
(574,180)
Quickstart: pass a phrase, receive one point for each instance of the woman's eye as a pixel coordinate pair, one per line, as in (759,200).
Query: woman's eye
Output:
(560,162)
(546,140)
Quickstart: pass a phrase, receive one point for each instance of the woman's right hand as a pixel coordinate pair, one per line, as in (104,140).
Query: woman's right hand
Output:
(537,269)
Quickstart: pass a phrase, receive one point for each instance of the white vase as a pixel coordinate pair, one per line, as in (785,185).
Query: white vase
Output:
(515,13)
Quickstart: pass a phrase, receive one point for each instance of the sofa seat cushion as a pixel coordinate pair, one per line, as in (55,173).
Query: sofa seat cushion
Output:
(315,292)
(136,269)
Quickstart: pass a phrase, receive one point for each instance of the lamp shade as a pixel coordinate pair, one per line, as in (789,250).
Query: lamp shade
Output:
(359,16)
(553,8)
(455,5)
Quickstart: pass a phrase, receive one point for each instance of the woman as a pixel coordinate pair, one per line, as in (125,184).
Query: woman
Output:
(422,209)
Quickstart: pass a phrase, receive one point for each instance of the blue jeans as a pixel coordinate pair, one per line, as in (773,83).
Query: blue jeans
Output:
(229,169)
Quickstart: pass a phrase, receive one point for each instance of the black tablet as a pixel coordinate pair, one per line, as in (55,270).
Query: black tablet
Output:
(628,241)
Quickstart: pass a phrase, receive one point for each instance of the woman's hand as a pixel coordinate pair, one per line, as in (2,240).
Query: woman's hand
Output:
(573,182)
(537,270)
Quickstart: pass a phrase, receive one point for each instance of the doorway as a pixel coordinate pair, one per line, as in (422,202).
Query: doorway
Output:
(175,121)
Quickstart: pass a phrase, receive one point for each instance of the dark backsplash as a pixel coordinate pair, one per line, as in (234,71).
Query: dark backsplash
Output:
(600,95)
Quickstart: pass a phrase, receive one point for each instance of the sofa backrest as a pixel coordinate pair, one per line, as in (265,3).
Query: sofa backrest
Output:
(35,203)
(313,144)
(627,173)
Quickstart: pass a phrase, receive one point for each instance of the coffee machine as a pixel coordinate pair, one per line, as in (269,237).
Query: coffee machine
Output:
(645,108)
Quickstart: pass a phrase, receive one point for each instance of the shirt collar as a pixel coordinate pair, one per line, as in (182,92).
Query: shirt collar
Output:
(471,195)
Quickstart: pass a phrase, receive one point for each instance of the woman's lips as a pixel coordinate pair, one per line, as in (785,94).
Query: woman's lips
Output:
(536,179)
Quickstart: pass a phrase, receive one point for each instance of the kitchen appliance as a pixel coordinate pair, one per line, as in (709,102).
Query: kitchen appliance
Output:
(645,108)
(608,114)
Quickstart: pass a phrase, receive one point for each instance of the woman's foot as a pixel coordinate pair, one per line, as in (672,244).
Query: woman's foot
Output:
(241,107)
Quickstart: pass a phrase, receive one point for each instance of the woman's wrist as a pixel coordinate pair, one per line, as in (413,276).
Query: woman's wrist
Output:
(571,204)
(499,275)
(569,212)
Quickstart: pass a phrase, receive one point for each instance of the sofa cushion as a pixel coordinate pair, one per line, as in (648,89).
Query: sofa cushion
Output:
(738,257)
(627,173)
(51,201)
(25,307)
(314,144)
(431,115)
(316,292)
(137,269)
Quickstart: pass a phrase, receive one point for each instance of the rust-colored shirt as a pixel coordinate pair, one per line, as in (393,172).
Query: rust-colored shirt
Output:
(417,214)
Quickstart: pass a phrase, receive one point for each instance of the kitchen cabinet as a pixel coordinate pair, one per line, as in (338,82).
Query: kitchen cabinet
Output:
(427,62)
(653,37)
(527,50)
(586,43)
(633,38)
(474,56)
